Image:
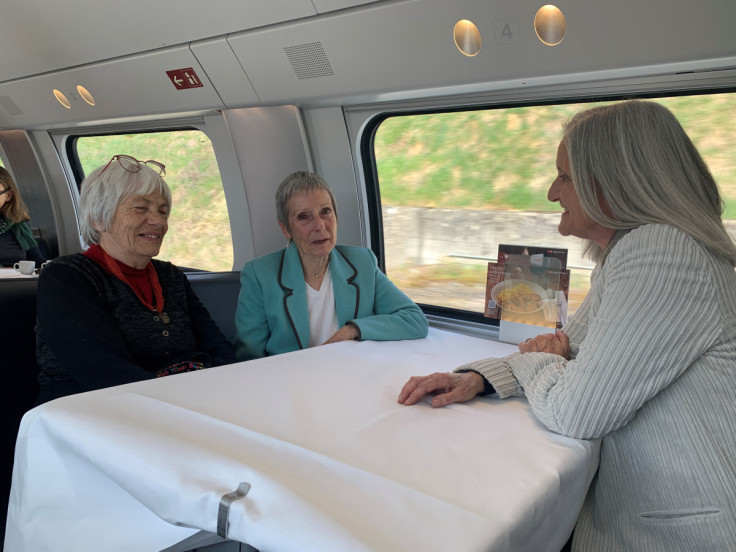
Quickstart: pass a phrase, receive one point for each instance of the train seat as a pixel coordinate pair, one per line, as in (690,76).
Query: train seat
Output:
(218,291)
(20,386)
(17,328)
(43,247)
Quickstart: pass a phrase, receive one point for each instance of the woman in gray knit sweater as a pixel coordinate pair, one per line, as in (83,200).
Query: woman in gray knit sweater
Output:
(648,362)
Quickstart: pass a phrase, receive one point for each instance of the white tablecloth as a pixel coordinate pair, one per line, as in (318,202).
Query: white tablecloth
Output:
(12,274)
(334,462)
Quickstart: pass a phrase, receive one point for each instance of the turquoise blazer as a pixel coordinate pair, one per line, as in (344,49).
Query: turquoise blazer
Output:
(272,315)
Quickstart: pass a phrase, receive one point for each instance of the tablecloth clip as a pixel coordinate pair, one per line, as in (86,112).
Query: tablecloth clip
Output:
(223,523)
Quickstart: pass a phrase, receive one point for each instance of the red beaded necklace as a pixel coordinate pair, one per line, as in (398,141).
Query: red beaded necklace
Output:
(158,295)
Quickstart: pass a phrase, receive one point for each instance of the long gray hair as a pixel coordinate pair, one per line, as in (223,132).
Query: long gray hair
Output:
(636,158)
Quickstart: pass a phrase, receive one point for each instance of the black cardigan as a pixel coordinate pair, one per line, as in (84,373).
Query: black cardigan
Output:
(93,332)
(11,252)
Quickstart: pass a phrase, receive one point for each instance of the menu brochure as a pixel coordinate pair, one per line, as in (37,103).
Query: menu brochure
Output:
(528,285)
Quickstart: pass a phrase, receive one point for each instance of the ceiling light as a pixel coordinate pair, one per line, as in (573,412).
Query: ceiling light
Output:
(86,96)
(62,99)
(550,25)
(467,37)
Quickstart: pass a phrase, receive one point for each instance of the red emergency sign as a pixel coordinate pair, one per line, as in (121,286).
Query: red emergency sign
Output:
(184,78)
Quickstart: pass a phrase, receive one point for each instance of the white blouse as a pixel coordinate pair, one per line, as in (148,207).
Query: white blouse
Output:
(322,315)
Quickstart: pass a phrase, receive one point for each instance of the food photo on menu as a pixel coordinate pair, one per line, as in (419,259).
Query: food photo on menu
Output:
(528,285)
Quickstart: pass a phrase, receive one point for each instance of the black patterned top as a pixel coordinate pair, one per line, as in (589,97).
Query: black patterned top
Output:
(93,332)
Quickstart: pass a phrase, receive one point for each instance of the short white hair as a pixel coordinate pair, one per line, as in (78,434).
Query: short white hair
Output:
(102,192)
(296,183)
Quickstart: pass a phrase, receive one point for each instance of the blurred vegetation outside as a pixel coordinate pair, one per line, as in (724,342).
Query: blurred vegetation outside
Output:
(504,160)
(199,226)
(496,159)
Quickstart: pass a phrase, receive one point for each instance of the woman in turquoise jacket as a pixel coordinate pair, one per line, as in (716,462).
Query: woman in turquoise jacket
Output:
(314,292)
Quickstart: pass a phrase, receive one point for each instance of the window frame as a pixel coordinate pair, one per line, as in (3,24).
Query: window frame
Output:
(73,162)
(70,144)
(367,158)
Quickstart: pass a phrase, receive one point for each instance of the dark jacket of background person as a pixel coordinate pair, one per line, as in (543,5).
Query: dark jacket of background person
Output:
(93,332)
(16,239)
(11,251)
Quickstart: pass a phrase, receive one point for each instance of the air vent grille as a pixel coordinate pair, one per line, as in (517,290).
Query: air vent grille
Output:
(309,60)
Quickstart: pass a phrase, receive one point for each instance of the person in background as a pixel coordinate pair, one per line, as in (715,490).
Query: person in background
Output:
(314,292)
(648,363)
(112,314)
(16,240)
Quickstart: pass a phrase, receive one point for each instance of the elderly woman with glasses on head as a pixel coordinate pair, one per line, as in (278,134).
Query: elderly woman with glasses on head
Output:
(112,315)
(16,240)
(315,292)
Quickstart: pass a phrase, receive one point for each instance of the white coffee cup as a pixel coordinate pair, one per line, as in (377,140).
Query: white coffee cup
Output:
(25,267)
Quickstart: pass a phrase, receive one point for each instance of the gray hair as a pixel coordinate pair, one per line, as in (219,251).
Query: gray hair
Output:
(636,158)
(102,192)
(298,182)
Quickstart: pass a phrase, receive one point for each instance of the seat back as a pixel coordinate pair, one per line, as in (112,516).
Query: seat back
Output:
(20,386)
(43,248)
(219,292)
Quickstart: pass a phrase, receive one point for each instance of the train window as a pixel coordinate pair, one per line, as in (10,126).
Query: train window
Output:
(199,227)
(455,185)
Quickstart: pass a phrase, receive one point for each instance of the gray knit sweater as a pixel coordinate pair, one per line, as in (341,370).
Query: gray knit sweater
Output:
(653,372)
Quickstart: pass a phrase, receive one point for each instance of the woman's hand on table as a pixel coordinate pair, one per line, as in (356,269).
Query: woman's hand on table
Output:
(348,332)
(555,343)
(452,388)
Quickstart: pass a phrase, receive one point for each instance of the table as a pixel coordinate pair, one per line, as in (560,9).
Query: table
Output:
(12,274)
(334,462)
